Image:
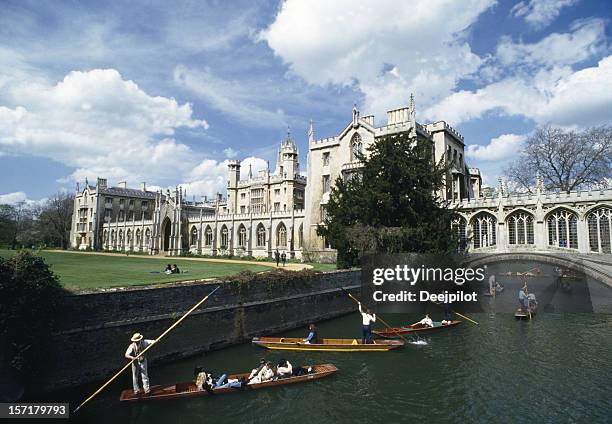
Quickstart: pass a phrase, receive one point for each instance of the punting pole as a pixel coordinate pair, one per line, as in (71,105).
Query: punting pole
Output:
(102,387)
(379,317)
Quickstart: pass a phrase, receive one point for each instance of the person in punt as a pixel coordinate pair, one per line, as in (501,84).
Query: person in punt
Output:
(367,318)
(312,337)
(139,366)
(265,374)
(426,321)
(255,371)
(284,369)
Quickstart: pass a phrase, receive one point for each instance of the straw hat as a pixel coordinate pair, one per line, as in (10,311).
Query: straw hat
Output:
(137,337)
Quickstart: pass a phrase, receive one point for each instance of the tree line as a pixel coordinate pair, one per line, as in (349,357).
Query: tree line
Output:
(34,225)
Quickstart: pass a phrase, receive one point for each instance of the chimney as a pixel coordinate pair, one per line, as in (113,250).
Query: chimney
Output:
(122,184)
(143,186)
(101,183)
(219,197)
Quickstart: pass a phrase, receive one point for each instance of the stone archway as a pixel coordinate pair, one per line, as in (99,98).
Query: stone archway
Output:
(166,230)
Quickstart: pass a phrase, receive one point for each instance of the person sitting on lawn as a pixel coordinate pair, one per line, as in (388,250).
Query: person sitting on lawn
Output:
(175,269)
(168,269)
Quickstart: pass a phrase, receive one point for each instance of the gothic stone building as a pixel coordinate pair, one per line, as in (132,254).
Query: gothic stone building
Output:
(279,211)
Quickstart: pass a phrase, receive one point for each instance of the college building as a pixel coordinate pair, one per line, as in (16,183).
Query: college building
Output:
(280,209)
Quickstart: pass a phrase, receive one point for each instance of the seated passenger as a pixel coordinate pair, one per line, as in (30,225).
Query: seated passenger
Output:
(426,321)
(203,381)
(255,371)
(284,369)
(312,335)
(265,374)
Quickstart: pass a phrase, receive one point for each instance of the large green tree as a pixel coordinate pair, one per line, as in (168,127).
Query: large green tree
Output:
(30,302)
(391,205)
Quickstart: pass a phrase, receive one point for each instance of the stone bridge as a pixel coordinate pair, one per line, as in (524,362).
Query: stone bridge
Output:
(598,267)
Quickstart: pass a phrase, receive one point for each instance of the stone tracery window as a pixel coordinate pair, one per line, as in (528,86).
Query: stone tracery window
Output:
(261,236)
(208,236)
(484,230)
(600,222)
(520,228)
(193,239)
(562,229)
(281,235)
(242,236)
(356,147)
(224,237)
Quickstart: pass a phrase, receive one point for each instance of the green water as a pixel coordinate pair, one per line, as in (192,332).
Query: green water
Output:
(554,369)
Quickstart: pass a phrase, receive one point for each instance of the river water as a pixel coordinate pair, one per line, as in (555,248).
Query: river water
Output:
(556,368)
(553,369)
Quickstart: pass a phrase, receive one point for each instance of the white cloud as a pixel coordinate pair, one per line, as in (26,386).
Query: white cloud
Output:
(230,153)
(559,97)
(419,48)
(100,124)
(210,176)
(234,98)
(586,39)
(504,147)
(540,13)
(18,197)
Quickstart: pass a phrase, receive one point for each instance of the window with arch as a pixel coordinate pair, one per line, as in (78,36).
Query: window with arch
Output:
(147,237)
(520,228)
(113,238)
(301,236)
(599,222)
(356,147)
(484,230)
(562,229)
(208,236)
(138,237)
(281,235)
(242,236)
(459,225)
(105,237)
(120,238)
(129,238)
(193,236)
(261,236)
(224,237)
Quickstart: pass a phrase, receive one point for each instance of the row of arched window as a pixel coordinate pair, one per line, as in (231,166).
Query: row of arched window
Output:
(562,229)
(118,239)
(260,237)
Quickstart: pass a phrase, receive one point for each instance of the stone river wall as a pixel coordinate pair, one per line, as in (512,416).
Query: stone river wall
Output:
(96,327)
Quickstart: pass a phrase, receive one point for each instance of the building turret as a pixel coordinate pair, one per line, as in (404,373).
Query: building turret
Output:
(287,164)
(233,171)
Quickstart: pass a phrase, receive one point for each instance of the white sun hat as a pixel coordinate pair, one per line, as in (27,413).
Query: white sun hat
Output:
(137,337)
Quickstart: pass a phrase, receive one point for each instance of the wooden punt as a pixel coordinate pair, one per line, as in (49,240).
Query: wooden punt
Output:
(189,389)
(389,333)
(329,345)
(522,314)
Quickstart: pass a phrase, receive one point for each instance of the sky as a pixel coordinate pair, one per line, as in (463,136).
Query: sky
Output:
(167,92)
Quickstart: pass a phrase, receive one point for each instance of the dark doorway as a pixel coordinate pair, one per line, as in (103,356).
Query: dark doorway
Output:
(166,229)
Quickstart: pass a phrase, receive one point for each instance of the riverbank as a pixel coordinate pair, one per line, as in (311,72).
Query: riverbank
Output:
(95,328)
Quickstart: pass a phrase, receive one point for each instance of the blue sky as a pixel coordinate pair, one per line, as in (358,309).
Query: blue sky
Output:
(166,92)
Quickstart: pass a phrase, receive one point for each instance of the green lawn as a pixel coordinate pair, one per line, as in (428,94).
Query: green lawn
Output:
(94,271)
